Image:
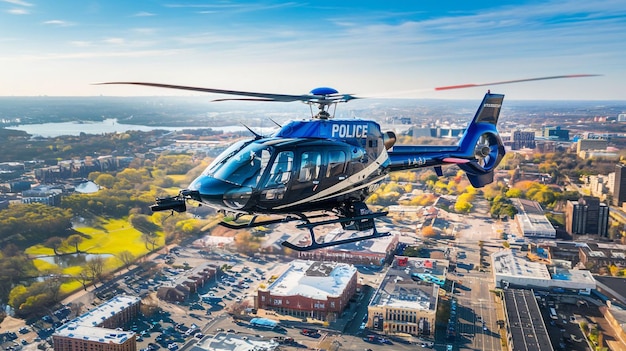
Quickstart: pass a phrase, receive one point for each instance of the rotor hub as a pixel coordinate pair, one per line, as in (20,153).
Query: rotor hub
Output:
(484,150)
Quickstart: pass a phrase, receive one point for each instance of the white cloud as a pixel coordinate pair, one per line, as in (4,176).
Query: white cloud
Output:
(114,41)
(81,44)
(18,2)
(144,14)
(58,23)
(17,11)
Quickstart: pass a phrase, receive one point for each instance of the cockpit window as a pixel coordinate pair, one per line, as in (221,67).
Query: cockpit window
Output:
(244,167)
(310,164)
(281,169)
(224,156)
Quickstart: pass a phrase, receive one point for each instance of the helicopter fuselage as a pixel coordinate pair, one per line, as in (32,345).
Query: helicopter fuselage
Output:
(306,166)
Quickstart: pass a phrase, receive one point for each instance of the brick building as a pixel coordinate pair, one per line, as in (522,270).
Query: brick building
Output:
(98,329)
(314,289)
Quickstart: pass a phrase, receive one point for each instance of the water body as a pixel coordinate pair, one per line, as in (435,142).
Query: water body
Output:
(51,130)
(76,259)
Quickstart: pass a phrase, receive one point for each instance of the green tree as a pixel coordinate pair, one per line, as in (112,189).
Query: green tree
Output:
(105,180)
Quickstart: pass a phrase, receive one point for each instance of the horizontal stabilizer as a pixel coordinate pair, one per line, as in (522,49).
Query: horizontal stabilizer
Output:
(479,181)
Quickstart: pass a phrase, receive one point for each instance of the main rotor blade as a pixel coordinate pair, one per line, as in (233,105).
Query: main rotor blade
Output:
(471,85)
(272,97)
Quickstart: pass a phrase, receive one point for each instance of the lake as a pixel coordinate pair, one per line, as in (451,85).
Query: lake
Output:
(50,130)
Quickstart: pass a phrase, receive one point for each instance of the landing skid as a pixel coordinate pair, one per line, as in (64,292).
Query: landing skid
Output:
(253,222)
(368,218)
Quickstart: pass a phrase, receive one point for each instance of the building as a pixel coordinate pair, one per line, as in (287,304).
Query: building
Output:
(531,220)
(517,272)
(595,256)
(598,185)
(235,342)
(406,301)
(525,329)
(366,252)
(187,283)
(319,290)
(521,139)
(587,216)
(98,329)
(591,144)
(546,146)
(556,133)
(619,185)
(44,195)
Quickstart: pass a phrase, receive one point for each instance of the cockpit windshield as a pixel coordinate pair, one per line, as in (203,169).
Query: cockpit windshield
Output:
(244,167)
(224,156)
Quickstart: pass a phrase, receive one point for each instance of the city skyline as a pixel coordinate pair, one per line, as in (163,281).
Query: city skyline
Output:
(366,48)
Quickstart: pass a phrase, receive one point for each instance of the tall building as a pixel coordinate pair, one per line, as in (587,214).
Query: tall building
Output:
(587,216)
(619,185)
(522,140)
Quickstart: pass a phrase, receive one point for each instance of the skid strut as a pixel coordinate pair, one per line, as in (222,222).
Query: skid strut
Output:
(365,221)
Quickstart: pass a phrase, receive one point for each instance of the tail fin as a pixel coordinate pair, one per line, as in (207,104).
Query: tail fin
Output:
(481,143)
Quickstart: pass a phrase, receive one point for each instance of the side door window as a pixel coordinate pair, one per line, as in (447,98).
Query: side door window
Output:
(336,164)
(310,165)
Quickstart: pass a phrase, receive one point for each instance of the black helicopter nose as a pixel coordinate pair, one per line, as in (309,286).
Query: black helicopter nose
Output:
(221,194)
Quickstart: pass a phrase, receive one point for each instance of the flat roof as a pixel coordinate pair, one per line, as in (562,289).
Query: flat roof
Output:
(404,286)
(313,279)
(528,332)
(505,263)
(234,342)
(86,326)
(532,219)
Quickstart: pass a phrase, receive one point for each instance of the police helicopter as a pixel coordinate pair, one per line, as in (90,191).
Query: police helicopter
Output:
(320,171)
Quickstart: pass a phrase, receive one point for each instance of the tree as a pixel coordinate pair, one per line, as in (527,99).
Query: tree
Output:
(126,257)
(74,240)
(245,242)
(95,268)
(54,243)
(105,180)
(149,238)
(464,203)
(428,231)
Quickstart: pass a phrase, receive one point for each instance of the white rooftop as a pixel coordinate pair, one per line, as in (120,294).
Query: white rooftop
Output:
(505,263)
(77,331)
(86,326)
(401,287)
(313,279)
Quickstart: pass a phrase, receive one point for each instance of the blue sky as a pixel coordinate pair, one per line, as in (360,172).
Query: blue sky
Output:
(369,48)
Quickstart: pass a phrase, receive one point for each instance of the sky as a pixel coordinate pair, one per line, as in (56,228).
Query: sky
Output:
(367,48)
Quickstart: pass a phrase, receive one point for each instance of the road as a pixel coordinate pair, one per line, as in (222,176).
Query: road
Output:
(476,302)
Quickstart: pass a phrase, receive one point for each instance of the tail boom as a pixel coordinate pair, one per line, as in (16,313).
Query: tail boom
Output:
(478,152)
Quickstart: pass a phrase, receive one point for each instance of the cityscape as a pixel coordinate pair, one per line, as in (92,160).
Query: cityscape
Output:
(536,260)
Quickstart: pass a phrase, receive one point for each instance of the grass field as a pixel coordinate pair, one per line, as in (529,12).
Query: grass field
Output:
(109,237)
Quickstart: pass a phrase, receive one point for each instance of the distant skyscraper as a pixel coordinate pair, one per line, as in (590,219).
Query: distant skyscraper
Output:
(587,216)
(619,187)
(522,140)
(556,133)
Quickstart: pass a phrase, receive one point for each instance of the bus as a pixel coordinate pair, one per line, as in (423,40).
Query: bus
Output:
(553,314)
